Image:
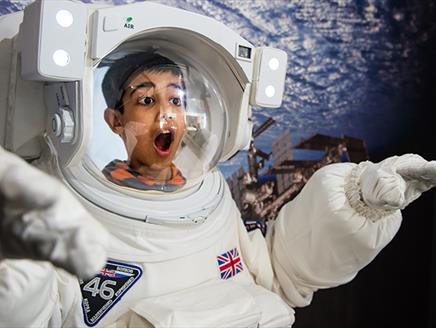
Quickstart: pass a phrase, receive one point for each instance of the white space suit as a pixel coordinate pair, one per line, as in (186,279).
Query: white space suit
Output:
(213,274)
(183,258)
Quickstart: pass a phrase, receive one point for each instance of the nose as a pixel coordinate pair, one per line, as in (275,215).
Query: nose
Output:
(165,115)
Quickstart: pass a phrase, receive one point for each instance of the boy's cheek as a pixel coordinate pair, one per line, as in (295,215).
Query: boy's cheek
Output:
(137,128)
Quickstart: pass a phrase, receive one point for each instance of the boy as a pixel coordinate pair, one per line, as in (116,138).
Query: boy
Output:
(145,94)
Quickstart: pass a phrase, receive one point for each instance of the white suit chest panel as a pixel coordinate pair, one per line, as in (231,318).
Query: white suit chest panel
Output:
(178,276)
(200,265)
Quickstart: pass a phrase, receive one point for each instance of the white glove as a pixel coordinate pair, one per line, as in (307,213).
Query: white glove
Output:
(40,219)
(396,182)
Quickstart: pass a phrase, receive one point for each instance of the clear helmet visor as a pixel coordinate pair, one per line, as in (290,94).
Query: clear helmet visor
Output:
(158,124)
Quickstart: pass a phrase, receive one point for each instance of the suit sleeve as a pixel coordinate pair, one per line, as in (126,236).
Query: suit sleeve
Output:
(325,235)
(36,294)
(28,293)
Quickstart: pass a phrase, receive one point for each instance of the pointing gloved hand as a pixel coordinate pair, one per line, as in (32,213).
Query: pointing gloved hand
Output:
(396,182)
(40,219)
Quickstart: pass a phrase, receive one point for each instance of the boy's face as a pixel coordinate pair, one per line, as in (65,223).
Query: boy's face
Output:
(153,122)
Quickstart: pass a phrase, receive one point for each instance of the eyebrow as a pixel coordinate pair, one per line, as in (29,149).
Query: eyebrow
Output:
(149,84)
(146,84)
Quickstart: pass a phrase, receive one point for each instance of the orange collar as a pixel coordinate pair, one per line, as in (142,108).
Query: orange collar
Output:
(122,174)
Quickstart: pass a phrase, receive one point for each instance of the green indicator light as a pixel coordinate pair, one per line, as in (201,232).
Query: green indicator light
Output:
(129,19)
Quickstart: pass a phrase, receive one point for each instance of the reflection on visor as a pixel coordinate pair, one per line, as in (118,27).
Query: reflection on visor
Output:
(195,122)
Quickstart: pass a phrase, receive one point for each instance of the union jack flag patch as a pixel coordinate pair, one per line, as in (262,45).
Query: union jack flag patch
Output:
(229,263)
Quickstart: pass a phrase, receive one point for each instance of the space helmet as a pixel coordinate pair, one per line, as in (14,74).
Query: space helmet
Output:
(136,109)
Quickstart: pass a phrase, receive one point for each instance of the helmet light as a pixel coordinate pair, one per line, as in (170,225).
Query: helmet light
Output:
(64,18)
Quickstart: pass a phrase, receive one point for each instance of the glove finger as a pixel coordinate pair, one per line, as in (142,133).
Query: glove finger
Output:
(382,189)
(79,249)
(25,236)
(418,169)
(85,253)
(28,188)
(90,255)
(392,197)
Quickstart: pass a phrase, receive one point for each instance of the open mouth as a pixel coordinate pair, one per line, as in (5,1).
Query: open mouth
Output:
(162,143)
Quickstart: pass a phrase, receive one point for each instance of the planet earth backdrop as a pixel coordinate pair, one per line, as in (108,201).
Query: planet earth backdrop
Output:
(364,68)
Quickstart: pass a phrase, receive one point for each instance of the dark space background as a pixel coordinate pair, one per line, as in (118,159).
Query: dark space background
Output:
(366,68)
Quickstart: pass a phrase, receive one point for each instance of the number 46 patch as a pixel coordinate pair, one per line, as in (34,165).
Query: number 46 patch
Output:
(100,293)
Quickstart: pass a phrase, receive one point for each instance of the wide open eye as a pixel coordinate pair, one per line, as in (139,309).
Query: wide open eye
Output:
(146,100)
(176,101)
